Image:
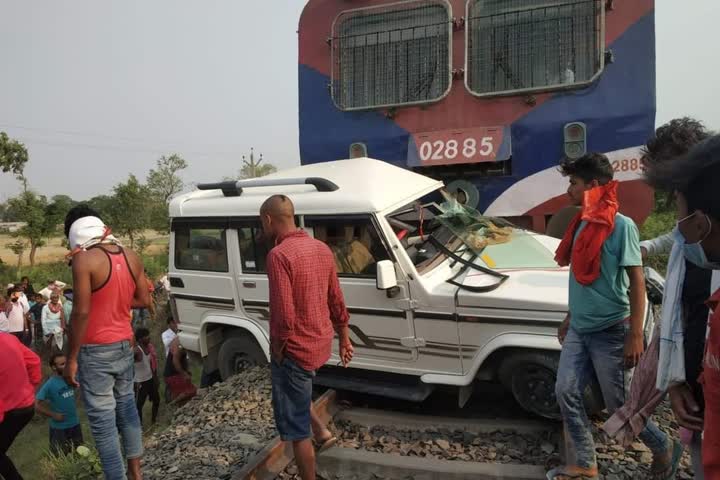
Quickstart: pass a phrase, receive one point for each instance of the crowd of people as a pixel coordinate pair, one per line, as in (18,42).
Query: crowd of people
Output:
(92,344)
(95,337)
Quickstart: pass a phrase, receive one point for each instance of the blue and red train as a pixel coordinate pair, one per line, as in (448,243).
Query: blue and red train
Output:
(487,95)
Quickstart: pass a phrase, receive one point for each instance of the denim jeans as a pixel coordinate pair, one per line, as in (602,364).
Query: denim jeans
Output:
(106,377)
(603,353)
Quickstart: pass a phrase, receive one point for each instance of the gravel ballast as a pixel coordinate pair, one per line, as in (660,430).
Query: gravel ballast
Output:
(215,433)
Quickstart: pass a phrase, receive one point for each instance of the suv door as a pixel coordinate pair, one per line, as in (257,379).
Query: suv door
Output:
(381,328)
(252,281)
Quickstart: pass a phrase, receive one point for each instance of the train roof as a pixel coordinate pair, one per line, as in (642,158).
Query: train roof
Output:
(364,185)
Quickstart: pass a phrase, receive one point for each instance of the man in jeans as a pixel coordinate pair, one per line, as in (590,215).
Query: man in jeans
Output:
(603,331)
(108,281)
(306,310)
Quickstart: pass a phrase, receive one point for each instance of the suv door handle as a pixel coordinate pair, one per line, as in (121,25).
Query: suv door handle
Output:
(249,284)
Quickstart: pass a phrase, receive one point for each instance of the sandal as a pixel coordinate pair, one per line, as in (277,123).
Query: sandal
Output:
(562,473)
(326,444)
(671,468)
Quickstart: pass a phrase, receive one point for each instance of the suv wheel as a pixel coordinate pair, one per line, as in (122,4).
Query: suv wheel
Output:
(237,353)
(531,379)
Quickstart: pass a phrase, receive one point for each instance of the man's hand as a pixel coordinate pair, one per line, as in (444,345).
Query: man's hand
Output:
(277,350)
(58,417)
(685,407)
(346,352)
(70,372)
(563,329)
(634,349)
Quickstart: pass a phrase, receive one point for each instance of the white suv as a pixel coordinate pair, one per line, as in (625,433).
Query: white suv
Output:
(437,294)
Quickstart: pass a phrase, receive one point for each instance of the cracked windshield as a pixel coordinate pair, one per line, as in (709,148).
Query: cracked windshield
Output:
(426,231)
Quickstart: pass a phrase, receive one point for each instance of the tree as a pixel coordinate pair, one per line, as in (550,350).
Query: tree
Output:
(13,155)
(253,169)
(163,183)
(18,248)
(102,204)
(61,205)
(40,221)
(129,212)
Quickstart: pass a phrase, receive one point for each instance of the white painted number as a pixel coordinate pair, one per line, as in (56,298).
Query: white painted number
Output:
(439,150)
(451,149)
(469,147)
(486,146)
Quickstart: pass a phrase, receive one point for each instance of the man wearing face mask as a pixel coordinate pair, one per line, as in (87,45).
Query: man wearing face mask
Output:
(694,180)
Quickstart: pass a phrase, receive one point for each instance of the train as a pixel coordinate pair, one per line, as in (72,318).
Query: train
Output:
(486,95)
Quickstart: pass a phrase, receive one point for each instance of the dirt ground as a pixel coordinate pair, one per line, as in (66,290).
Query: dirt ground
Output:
(54,251)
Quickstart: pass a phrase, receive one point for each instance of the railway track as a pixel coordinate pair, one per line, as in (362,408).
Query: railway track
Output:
(436,424)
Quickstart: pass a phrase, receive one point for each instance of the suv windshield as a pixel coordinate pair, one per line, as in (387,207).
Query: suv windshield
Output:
(426,230)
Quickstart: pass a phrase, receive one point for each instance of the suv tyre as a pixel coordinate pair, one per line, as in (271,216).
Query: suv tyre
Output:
(238,352)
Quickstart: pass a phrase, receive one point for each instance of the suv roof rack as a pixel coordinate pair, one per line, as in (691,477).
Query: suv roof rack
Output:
(235,188)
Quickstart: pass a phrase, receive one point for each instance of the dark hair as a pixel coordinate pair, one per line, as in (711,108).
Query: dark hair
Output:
(589,167)
(76,213)
(141,332)
(53,357)
(170,319)
(67,290)
(25,278)
(673,139)
(695,175)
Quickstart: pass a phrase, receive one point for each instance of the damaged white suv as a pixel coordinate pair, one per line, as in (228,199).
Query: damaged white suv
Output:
(438,294)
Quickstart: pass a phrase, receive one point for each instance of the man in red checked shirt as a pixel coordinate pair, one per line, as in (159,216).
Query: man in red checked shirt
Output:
(306,310)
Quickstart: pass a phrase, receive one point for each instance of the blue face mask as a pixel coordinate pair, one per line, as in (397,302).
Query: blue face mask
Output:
(694,252)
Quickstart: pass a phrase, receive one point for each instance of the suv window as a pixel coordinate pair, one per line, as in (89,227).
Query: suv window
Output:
(200,247)
(354,241)
(253,247)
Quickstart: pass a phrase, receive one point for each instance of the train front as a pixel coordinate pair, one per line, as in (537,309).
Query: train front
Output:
(486,95)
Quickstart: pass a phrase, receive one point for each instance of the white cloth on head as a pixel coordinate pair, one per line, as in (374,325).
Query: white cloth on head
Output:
(88,231)
(671,361)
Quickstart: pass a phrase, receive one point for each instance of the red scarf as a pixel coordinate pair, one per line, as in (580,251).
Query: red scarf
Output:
(600,205)
(55,307)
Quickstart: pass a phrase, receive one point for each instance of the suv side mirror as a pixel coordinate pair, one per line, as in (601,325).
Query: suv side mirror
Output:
(386,278)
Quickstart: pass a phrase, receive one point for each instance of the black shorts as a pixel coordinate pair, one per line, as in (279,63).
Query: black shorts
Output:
(65,439)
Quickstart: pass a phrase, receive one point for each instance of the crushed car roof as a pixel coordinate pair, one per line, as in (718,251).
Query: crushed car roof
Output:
(364,186)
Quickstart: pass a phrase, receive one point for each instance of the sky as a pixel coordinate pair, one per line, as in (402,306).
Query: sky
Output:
(99,90)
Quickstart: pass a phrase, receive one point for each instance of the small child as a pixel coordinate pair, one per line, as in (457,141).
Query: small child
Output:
(56,399)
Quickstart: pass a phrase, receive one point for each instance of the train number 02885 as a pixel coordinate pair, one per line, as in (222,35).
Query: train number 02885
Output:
(450,149)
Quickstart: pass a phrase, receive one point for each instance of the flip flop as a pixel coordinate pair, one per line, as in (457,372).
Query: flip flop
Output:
(560,471)
(325,445)
(672,469)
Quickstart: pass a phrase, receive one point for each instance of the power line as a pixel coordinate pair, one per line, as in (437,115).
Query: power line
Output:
(170,144)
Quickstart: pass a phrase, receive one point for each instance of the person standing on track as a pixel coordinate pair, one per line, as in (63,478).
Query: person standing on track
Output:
(108,281)
(306,310)
(603,330)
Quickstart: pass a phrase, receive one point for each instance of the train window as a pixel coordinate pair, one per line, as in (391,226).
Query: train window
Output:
(391,55)
(525,45)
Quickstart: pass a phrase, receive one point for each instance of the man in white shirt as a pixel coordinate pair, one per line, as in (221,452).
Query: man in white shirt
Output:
(4,324)
(52,286)
(169,335)
(18,320)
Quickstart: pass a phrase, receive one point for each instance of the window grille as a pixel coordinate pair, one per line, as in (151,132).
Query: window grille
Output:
(393,55)
(523,45)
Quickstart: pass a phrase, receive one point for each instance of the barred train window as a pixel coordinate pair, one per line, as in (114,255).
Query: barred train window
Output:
(393,55)
(533,44)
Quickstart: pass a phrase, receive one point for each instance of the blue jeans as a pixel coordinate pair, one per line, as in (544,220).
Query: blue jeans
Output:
(106,377)
(602,352)
(291,399)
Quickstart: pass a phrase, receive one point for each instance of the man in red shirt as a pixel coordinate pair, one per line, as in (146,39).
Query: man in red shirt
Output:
(694,180)
(306,310)
(19,376)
